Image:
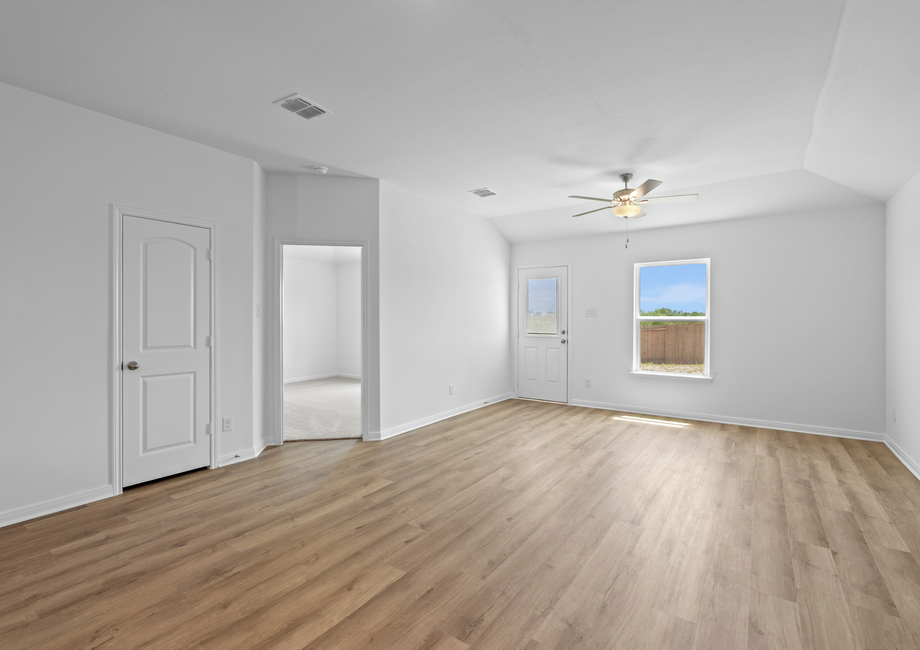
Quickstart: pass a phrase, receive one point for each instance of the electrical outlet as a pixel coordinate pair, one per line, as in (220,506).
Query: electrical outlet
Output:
(587,383)
(226,424)
(590,313)
(450,389)
(894,415)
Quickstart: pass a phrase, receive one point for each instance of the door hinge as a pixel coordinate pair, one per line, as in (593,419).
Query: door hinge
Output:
(210,254)
(207,341)
(207,429)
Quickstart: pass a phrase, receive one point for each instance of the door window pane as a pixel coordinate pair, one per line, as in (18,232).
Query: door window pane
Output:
(541,306)
(672,290)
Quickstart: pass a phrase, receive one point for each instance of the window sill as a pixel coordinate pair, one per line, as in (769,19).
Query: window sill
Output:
(671,375)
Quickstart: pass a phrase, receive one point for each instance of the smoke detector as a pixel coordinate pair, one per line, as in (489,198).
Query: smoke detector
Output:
(300,105)
(483,192)
(320,170)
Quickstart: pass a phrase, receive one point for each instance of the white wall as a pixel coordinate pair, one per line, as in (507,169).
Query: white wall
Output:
(797,319)
(444,309)
(310,319)
(322,316)
(63,168)
(348,324)
(325,208)
(259,333)
(902,321)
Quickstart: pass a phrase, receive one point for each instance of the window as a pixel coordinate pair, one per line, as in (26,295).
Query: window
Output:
(541,306)
(671,319)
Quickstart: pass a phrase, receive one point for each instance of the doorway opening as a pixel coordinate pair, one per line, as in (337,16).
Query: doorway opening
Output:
(321,342)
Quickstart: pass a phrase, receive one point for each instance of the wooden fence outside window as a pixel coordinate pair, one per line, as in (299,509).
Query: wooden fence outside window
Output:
(673,343)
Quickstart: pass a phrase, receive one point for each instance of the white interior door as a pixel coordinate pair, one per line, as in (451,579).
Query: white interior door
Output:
(166,325)
(542,333)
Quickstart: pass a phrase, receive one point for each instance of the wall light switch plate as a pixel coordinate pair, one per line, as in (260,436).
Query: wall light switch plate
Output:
(590,313)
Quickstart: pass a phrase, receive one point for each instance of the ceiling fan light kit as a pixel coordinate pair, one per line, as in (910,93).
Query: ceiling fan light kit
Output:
(627,210)
(627,203)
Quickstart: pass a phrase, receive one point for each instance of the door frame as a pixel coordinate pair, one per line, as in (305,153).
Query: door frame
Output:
(277,403)
(516,324)
(119,212)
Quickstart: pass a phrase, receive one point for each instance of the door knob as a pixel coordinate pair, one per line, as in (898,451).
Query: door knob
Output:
(563,341)
(132,365)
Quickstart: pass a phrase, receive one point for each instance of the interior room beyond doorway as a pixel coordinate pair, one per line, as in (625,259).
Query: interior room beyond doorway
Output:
(321,342)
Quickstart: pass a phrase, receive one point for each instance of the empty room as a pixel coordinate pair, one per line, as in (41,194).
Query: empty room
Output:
(444,325)
(321,342)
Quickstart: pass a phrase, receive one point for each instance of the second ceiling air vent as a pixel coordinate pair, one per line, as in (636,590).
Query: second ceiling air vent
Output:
(302,106)
(483,192)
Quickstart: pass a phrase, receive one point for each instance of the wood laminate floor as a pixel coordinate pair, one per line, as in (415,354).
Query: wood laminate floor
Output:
(522,525)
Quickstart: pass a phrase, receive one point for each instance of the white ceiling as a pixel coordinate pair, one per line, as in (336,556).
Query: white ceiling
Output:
(536,99)
(327,254)
(867,132)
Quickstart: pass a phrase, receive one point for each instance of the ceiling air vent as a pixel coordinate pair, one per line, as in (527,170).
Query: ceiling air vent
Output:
(483,192)
(302,106)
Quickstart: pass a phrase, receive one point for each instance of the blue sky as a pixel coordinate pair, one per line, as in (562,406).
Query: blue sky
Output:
(680,287)
(541,295)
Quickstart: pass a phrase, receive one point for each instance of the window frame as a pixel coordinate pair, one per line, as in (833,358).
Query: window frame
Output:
(638,319)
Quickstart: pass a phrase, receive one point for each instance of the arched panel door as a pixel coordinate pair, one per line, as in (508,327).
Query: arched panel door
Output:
(166,325)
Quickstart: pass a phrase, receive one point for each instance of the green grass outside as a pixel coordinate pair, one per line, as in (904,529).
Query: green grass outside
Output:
(689,369)
(542,323)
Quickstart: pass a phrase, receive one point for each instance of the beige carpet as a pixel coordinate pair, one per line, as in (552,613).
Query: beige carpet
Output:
(322,409)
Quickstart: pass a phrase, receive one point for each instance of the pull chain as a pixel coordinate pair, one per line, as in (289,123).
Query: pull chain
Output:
(627,232)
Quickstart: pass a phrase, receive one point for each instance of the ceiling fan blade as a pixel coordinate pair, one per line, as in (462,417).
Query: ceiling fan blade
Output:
(640,215)
(645,188)
(590,198)
(672,199)
(590,211)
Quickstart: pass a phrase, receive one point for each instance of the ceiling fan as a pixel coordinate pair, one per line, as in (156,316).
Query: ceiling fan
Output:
(627,203)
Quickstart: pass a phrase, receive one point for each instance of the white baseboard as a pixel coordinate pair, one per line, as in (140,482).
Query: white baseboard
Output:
(52,506)
(909,463)
(912,466)
(60,504)
(431,419)
(294,380)
(55,505)
(747,422)
(240,456)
